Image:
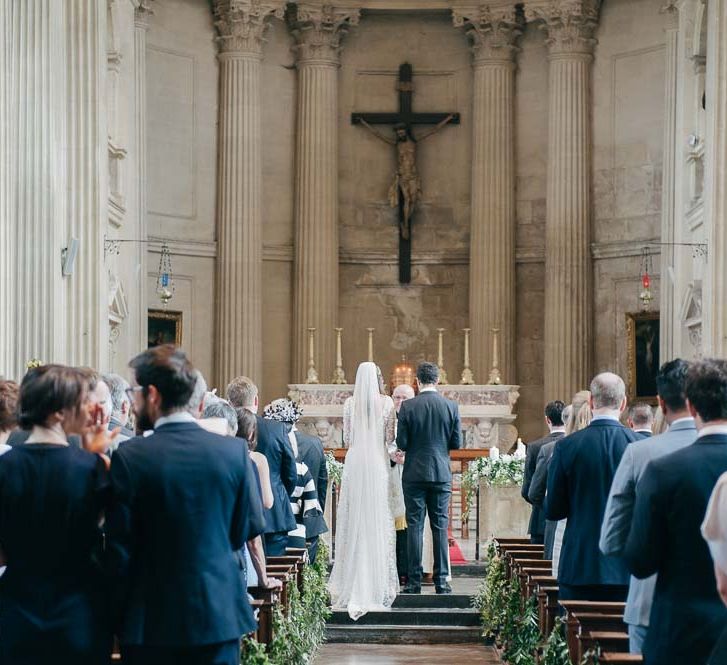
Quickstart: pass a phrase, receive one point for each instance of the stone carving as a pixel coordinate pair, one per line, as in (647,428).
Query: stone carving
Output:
(480,434)
(241,24)
(319,29)
(143,13)
(492,32)
(570,24)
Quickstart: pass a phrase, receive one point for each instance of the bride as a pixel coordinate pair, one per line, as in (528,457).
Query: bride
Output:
(364,574)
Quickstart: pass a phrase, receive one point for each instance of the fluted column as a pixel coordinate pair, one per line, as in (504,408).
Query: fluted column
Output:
(142,16)
(7,226)
(36,110)
(241,26)
(715,193)
(669,307)
(87,182)
(570,25)
(492,33)
(318,30)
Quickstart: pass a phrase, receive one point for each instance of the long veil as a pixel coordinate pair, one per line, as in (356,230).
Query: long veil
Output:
(364,571)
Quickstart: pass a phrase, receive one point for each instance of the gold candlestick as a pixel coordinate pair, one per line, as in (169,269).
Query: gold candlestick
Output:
(440,358)
(468,378)
(339,376)
(312,374)
(495,378)
(371,343)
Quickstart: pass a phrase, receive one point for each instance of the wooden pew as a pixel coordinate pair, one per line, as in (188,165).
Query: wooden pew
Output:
(607,640)
(609,658)
(548,607)
(595,616)
(268,598)
(511,556)
(297,561)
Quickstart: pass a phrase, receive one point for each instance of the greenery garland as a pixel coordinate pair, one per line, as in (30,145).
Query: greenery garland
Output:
(490,596)
(556,648)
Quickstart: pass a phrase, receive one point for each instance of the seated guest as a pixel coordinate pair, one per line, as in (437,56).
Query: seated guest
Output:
(272,441)
(579,480)
(687,615)
(121,405)
(670,383)
(8,416)
(556,429)
(52,496)
(184,503)
(641,420)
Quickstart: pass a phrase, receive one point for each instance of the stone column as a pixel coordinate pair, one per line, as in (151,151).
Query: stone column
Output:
(35,110)
(318,30)
(492,33)
(7,226)
(715,191)
(241,26)
(669,308)
(87,182)
(142,16)
(570,25)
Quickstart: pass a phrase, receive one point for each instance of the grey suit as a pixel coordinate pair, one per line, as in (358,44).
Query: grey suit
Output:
(620,507)
(536,527)
(536,492)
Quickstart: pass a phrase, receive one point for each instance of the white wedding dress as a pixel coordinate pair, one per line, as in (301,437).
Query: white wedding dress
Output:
(364,574)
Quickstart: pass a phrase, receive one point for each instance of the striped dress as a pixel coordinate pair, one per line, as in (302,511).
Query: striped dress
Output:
(303,501)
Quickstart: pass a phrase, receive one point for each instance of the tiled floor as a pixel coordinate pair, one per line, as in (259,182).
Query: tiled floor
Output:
(383,654)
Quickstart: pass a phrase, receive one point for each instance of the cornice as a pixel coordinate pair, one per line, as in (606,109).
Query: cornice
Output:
(241,24)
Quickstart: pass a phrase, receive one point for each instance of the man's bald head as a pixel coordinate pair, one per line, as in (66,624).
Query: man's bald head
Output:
(402,393)
(608,392)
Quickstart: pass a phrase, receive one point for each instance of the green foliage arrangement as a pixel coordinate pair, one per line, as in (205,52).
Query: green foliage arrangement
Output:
(556,648)
(335,469)
(490,596)
(501,471)
(524,640)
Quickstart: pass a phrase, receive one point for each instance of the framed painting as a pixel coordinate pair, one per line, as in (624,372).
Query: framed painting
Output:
(164,327)
(642,339)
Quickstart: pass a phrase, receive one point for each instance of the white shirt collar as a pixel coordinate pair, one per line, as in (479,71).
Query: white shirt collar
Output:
(176,417)
(557,430)
(427,390)
(711,429)
(644,430)
(604,416)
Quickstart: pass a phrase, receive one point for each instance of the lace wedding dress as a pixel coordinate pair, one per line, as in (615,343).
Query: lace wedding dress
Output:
(364,574)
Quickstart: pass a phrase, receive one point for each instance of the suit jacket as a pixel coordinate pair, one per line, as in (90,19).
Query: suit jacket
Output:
(272,441)
(536,494)
(310,452)
(620,508)
(428,428)
(579,479)
(184,501)
(537,516)
(687,615)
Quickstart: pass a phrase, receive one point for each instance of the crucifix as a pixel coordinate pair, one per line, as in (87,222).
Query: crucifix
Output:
(405,190)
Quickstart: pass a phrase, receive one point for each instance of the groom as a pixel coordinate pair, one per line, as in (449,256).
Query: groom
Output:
(428,429)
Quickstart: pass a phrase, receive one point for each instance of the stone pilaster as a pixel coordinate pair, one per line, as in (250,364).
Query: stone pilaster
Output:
(715,192)
(318,31)
(669,308)
(241,25)
(570,27)
(492,34)
(7,226)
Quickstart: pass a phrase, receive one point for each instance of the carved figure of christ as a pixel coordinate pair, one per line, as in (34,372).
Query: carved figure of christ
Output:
(405,190)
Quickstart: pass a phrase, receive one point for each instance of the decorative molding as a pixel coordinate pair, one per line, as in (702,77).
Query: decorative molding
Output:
(670,9)
(241,24)
(319,29)
(492,32)
(195,248)
(569,24)
(622,249)
(143,14)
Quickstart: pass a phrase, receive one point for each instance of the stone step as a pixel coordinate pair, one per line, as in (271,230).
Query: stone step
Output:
(405,616)
(432,601)
(472,569)
(403,634)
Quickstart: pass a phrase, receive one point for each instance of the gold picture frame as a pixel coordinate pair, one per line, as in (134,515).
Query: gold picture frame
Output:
(164,327)
(642,355)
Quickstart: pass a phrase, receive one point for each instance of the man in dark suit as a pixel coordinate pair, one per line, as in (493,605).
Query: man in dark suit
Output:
(428,428)
(579,480)
(272,441)
(687,615)
(310,452)
(554,421)
(184,501)
(641,420)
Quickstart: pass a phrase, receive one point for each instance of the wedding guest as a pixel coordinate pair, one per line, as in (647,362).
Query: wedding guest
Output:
(272,441)
(714,531)
(660,425)
(641,420)
(184,502)
(579,480)
(219,409)
(121,405)
(8,416)
(195,405)
(52,496)
(556,429)
(670,384)
(687,615)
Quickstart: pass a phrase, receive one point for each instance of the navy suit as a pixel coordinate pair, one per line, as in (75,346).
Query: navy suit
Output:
(536,493)
(536,527)
(579,480)
(687,615)
(184,501)
(272,441)
(310,452)
(429,427)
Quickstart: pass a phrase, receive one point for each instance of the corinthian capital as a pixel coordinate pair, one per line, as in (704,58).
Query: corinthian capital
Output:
(570,24)
(319,29)
(241,24)
(492,32)
(143,13)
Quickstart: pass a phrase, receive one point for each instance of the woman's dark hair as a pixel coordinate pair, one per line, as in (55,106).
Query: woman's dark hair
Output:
(427,373)
(706,388)
(48,389)
(9,391)
(167,369)
(670,383)
(247,426)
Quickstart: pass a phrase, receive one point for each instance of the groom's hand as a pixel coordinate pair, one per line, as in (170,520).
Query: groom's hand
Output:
(399,457)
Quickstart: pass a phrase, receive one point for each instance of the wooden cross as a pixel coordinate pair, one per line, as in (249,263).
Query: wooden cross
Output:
(406,188)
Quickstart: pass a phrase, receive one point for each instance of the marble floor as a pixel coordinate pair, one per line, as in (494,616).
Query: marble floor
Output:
(389,654)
